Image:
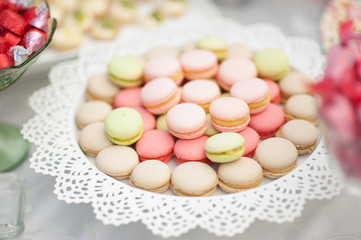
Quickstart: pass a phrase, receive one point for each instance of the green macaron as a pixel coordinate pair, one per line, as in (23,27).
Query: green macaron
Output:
(126,71)
(124,126)
(224,147)
(272,63)
(215,44)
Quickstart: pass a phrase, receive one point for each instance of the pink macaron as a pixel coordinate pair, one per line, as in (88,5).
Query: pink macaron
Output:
(251,139)
(267,122)
(254,92)
(155,145)
(148,118)
(233,69)
(201,92)
(186,121)
(275,91)
(128,97)
(229,114)
(186,150)
(199,64)
(164,66)
(160,95)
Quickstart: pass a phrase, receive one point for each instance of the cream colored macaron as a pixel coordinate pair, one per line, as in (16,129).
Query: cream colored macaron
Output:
(239,175)
(162,52)
(93,139)
(151,175)
(92,111)
(301,133)
(277,156)
(294,83)
(194,179)
(240,50)
(301,106)
(99,87)
(117,161)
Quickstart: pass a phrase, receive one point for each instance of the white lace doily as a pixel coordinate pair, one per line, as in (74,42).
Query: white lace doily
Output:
(53,132)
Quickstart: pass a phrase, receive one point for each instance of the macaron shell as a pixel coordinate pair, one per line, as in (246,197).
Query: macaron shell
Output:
(194,179)
(275,91)
(267,122)
(271,63)
(162,123)
(301,133)
(93,139)
(240,50)
(117,161)
(124,126)
(301,106)
(234,69)
(126,71)
(163,67)
(251,140)
(229,108)
(148,119)
(210,129)
(200,91)
(162,52)
(186,118)
(215,44)
(198,60)
(100,88)
(128,97)
(191,149)
(277,156)
(151,175)
(155,144)
(294,83)
(239,175)
(92,111)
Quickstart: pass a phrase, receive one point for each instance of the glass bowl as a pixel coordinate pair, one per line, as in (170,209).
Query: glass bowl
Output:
(10,74)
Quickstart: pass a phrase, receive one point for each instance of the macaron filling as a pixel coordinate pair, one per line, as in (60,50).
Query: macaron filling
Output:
(128,82)
(163,158)
(157,189)
(125,141)
(166,102)
(189,135)
(209,72)
(226,156)
(238,186)
(259,104)
(278,171)
(230,123)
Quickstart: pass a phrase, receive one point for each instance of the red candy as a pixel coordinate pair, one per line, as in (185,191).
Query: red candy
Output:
(5,61)
(4,45)
(11,37)
(29,14)
(13,22)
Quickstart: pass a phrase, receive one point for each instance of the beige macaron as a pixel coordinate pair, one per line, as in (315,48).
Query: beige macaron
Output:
(162,52)
(100,88)
(151,175)
(194,179)
(294,83)
(277,156)
(92,111)
(301,106)
(239,175)
(93,139)
(301,133)
(117,161)
(240,50)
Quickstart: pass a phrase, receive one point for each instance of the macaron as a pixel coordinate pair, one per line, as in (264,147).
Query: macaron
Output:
(294,83)
(210,131)
(275,91)
(122,11)
(229,114)
(267,122)
(251,140)
(156,145)
(224,147)
(242,174)
(199,64)
(126,71)
(160,95)
(240,50)
(100,88)
(151,175)
(234,69)
(194,179)
(277,156)
(254,91)
(162,52)
(186,150)
(201,92)
(272,63)
(148,118)
(162,123)
(170,8)
(301,106)
(163,67)
(186,121)
(93,139)
(128,97)
(301,133)
(117,161)
(124,126)
(216,44)
(92,111)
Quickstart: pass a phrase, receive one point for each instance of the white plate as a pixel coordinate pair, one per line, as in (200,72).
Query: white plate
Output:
(79,181)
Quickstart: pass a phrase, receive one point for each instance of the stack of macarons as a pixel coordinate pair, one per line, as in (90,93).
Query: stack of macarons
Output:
(225,114)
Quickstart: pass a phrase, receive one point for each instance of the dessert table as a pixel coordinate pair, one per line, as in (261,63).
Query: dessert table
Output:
(47,218)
